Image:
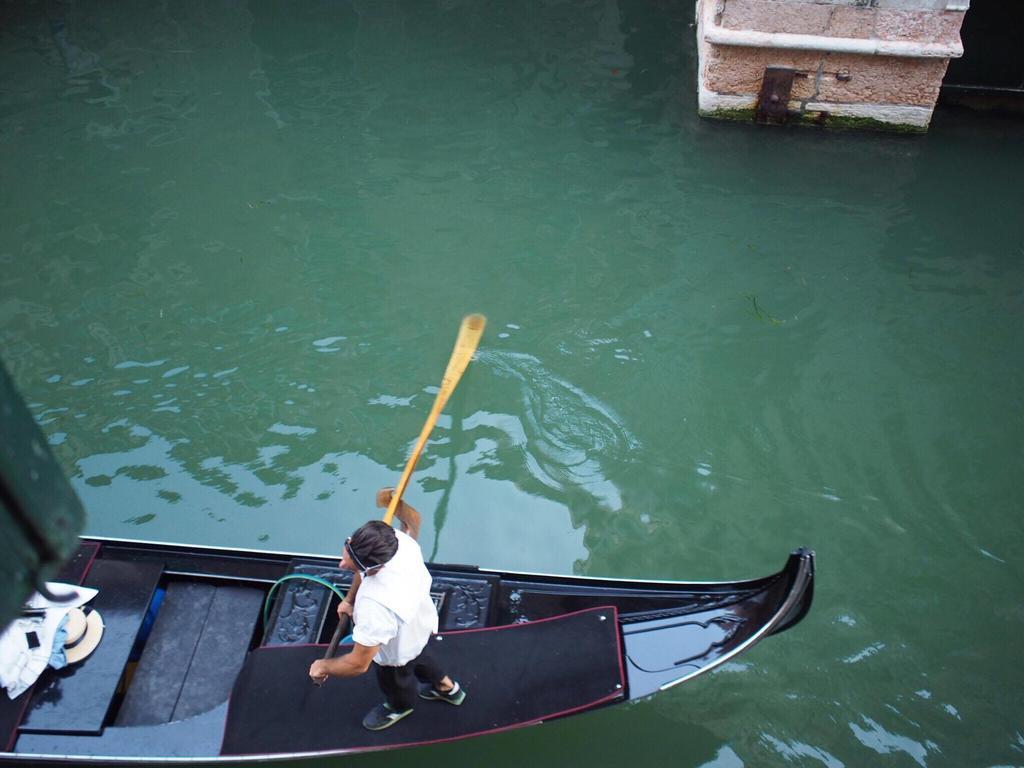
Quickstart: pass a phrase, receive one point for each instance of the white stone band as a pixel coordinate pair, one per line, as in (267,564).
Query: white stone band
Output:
(745,38)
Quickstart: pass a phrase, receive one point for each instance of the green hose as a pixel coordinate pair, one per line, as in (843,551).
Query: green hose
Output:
(289,577)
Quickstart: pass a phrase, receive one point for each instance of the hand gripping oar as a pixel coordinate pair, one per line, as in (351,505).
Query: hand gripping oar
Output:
(335,639)
(470,331)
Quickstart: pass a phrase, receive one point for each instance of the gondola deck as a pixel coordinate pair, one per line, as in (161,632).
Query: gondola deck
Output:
(514,675)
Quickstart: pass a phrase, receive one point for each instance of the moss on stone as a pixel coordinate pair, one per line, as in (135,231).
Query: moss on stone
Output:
(821,120)
(739,115)
(850,123)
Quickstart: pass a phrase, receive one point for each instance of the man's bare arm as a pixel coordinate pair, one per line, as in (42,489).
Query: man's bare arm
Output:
(410,519)
(408,516)
(350,664)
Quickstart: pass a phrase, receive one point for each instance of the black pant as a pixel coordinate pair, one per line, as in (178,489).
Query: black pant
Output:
(399,683)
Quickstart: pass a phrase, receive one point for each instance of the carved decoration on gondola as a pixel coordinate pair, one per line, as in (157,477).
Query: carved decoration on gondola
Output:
(302,606)
(467,605)
(728,624)
(701,604)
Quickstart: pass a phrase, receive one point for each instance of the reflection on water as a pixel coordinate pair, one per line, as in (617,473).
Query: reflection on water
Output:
(312,507)
(523,466)
(724,758)
(795,751)
(493,486)
(878,739)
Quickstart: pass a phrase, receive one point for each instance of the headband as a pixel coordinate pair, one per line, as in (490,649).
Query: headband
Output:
(364,570)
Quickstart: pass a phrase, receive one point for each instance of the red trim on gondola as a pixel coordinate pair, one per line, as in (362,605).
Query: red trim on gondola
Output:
(88,565)
(611,608)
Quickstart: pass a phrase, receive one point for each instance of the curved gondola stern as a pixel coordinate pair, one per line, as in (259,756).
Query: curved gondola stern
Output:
(801,566)
(665,650)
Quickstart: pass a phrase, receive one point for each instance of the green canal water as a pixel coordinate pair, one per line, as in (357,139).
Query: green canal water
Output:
(236,240)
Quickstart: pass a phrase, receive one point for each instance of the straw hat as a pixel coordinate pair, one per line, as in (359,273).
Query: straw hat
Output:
(84,634)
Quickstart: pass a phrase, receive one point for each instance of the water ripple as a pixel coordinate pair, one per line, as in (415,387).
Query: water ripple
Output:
(879,740)
(793,751)
(565,431)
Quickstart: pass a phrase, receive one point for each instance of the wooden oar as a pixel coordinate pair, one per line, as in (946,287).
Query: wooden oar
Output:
(336,637)
(332,646)
(470,331)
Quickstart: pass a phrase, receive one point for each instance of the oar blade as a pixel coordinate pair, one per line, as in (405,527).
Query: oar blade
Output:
(470,331)
(466,342)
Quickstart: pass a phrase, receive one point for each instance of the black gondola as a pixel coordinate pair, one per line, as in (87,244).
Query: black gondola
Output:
(197,664)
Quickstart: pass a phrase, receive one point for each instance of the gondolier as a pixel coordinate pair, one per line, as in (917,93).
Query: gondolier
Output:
(394,617)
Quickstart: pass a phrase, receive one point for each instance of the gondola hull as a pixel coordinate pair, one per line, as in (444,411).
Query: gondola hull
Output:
(198,665)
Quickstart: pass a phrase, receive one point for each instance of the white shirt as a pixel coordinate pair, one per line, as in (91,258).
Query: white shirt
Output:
(393,608)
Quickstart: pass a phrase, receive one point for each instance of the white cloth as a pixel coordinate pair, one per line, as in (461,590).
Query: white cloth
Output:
(393,608)
(20,662)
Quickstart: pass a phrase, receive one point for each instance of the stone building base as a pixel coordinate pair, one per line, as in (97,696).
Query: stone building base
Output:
(838,63)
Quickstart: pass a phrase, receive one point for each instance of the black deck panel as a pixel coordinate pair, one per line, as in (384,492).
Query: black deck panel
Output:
(76,699)
(75,569)
(156,684)
(199,736)
(220,651)
(514,675)
(192,561)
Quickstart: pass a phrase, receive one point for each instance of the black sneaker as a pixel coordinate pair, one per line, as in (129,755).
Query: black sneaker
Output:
(455,696)
(383,716)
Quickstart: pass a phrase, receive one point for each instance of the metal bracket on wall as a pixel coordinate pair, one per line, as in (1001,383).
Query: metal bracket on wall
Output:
(773,101)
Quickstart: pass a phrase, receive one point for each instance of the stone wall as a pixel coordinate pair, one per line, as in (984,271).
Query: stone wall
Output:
(868,63)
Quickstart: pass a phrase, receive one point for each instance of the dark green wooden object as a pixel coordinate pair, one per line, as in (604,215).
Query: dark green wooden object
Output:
(40,515)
